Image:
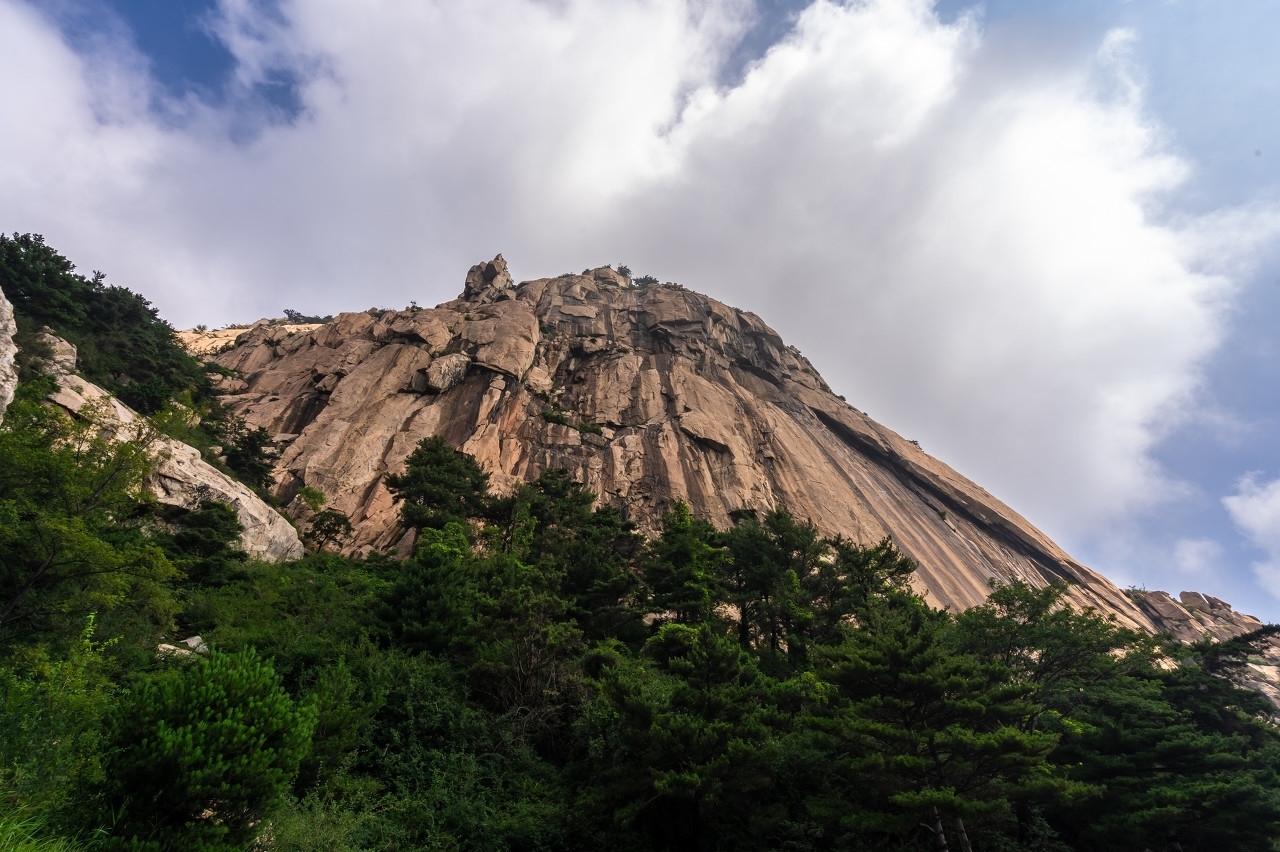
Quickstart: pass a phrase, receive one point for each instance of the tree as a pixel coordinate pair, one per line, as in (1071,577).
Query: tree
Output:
(766,581)
(204,544)
(593,550)
(205,752)
(123,345)
(440,486)
(249,452)
(682,741)
(922,738)
(72,540)
(683,567)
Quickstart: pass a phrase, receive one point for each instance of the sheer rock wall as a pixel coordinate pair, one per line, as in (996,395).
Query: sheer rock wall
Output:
(667,394)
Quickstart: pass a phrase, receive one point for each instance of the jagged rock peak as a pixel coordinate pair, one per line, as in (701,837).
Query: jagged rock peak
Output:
(487,281)
(1193,616)
(646,394)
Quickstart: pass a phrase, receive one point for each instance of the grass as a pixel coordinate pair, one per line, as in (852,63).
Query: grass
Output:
(20,833)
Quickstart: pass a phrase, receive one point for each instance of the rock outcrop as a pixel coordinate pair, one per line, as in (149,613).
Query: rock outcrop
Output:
(180,478)
(645,394)
(1193,616)
(8,354)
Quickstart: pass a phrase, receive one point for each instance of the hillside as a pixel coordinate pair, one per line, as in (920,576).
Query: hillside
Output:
(528,671)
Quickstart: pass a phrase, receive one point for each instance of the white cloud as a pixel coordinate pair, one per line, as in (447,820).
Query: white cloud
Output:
(1255,509)
(1200,557)
(981,255)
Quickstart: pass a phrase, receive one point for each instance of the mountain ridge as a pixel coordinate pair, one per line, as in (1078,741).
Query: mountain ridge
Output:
(646,394)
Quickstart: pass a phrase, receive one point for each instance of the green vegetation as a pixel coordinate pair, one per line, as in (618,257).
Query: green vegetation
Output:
(123,345)
(299,318)
(538,676)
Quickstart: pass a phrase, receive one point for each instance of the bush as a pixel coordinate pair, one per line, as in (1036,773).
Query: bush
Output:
(205,752)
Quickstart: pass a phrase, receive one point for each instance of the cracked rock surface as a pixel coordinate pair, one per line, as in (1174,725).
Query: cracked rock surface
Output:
(646,394)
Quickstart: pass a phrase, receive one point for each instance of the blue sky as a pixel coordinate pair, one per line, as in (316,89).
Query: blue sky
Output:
(1038,237)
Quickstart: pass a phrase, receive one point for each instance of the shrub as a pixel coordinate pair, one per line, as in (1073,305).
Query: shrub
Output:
(205,752)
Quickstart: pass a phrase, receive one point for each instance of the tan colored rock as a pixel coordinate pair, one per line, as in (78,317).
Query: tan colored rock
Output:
(181,477)
(699,402)
(446,372)
(62,355)
(1194,616)
(8,354)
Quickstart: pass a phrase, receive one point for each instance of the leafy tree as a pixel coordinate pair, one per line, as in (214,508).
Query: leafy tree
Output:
(593,550)
(440,486)
(683,569)
(205,752)
(71,524)
(681,742)
(203,545)
(327,526)
(766,583)
(249,452)
(123,345)
(51,713)
(923,737)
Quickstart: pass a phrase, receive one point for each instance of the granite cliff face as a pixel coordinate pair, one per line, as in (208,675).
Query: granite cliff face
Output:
(8,352)
(647,395)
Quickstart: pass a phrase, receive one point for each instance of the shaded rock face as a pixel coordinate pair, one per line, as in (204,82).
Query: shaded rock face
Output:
(8,354)
(694,400)
(181,478)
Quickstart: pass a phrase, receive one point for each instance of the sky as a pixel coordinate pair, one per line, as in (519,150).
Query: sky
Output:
(1042,239)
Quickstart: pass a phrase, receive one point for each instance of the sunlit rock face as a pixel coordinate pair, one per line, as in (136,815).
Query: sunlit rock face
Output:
(8,354)
(647,394)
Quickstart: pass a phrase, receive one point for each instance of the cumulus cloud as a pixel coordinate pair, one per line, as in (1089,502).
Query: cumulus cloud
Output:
(981,255)
(1255,509)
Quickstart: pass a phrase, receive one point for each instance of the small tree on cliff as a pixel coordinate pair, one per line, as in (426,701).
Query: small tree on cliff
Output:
(440,485)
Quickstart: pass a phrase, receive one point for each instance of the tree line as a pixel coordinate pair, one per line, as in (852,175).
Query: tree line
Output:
(540,676)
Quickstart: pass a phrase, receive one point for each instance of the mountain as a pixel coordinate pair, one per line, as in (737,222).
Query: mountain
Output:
(648,395)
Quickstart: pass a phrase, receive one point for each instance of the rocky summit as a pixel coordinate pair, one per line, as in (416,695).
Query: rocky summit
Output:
(648,395)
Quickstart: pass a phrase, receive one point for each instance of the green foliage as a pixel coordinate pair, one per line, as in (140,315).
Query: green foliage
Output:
(684,569)
(538,676)
(298,317)
(205,752)
(440,486)
(21,832)
(71,525)
(122,344)
(920,733)
(249,452)
(326,527)
(51,711)
(203,544)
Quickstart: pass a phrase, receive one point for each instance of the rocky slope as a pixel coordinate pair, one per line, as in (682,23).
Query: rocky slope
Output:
(181,478)
(8,352)
(646,394)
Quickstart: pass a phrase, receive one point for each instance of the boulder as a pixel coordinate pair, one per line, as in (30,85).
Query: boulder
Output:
(446,372)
